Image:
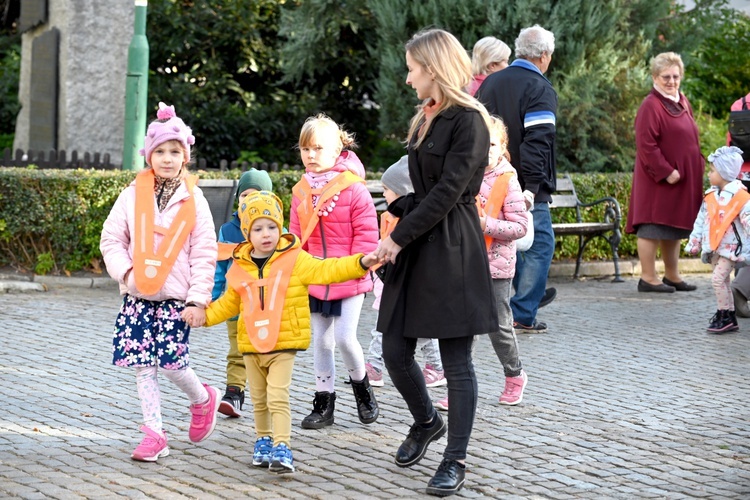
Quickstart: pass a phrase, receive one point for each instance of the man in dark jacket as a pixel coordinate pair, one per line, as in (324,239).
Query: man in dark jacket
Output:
(526,102)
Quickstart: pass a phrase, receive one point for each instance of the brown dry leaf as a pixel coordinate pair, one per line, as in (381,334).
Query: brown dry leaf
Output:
(96,266)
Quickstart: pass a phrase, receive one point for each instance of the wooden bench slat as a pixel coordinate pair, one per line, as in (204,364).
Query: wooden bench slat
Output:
(564,201)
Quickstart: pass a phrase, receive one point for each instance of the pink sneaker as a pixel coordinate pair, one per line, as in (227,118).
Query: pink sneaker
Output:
(374,375)
(514,386)
(441,404)
(204,416)
(432,377)
(152,447)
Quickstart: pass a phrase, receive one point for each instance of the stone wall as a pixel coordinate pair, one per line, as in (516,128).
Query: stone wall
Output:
(92,66)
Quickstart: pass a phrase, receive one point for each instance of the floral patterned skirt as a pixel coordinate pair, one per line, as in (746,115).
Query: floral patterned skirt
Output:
(149,333)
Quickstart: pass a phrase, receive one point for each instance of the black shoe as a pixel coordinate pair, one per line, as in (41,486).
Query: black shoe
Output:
(725,322)
(367,406)
(549,296)
(231,403)
(322,414)
(414,446)
(536,327)
(448,479)
(645,286)
(682,286)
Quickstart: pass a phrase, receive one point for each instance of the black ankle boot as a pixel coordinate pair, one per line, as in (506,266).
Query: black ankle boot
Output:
(725,323)
(713,323)
(448,479)
(367,406)
(322,414)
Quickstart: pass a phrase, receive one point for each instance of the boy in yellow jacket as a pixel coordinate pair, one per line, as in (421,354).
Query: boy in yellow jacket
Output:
(267,287)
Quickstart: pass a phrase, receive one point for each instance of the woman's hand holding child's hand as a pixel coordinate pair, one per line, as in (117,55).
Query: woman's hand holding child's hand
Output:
(194,316)
(388,250)
(369,260)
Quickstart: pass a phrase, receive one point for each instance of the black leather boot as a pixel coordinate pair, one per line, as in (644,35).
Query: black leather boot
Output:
(725,323)
(367,406)
(448,479)
(322,414)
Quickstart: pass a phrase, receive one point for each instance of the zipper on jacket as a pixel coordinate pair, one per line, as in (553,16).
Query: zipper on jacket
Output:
(261,290)
(325,254)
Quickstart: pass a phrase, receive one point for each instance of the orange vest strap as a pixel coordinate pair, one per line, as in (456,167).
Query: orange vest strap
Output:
(495,201)
(263,320)
(722,216)
(308,215)
(151,268)
(225,250)
(388,223)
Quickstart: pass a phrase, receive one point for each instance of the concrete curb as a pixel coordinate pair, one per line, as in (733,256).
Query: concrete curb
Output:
(628,268)
(590,269)
(75,282)
(21,287)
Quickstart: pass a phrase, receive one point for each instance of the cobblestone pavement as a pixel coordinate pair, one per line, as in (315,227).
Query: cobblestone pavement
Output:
(628,397)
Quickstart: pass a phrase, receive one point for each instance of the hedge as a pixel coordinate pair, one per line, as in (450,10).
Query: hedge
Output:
(51,220)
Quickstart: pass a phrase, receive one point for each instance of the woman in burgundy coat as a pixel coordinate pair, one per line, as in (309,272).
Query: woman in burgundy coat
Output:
(668,176)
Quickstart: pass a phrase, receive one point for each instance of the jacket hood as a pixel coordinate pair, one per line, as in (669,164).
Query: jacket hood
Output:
(348,160)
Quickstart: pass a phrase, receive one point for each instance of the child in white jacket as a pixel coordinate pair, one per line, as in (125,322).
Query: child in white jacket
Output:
(722,231)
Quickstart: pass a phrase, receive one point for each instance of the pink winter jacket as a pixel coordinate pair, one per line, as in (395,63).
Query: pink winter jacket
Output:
(352,227)
(192,276)
(510,225)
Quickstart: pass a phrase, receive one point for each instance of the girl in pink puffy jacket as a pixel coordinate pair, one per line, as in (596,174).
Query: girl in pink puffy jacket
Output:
(508,224)
(159,243)
(333,214)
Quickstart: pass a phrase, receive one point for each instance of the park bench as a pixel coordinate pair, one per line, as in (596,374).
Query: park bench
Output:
(220,196)
(607,228)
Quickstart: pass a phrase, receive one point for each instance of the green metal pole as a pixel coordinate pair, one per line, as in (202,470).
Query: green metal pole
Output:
(136,89)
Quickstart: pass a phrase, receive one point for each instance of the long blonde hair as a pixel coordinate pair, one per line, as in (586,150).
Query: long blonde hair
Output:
(442,55)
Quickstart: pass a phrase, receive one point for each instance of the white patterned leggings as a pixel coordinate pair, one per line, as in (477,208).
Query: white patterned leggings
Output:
(148,391)
(720,281)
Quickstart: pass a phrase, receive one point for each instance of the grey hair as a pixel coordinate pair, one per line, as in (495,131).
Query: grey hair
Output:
(533,42)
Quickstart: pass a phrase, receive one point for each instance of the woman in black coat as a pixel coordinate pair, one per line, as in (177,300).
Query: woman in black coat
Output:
(437,282)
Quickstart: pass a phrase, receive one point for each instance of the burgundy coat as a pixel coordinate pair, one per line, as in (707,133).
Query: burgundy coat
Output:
(666,138)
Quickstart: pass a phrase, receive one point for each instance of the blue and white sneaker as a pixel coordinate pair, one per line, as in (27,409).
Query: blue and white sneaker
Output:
(282,461)
(262,452)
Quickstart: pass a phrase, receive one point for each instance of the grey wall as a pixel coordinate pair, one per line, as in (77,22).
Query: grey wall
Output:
(93,53)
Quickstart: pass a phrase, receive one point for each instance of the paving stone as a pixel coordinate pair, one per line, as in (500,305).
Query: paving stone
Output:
(628,397)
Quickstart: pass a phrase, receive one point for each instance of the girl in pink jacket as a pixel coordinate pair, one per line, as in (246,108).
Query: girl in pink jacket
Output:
(159,243)
(333,214)
(507,223)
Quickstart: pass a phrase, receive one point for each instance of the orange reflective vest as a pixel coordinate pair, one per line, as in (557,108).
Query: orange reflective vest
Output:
(151,268)
(263,298)
(721,217)
(495,201)
(307,213)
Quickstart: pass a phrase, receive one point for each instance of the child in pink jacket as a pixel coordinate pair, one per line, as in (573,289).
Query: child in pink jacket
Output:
(333,214)
(159,243)
(501,195)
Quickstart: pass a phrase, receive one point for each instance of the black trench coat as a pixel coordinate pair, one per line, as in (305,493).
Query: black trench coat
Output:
(440,285)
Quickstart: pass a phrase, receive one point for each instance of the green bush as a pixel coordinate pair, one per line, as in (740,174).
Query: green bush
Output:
(51,220)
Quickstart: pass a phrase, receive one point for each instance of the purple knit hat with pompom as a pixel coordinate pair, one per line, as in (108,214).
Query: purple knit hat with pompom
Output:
(167,127)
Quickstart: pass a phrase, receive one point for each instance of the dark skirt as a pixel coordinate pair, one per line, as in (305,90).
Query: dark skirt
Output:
(661,232)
